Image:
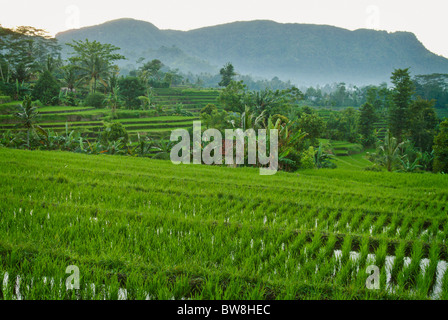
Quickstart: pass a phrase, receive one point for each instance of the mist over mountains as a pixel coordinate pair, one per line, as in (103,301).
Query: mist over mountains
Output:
(306,54)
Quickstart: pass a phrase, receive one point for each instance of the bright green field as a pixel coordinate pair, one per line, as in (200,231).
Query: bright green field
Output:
(144,228)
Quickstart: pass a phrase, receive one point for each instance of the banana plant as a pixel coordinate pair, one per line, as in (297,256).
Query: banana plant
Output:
(249,120)
(289,138)
(143,147)
(389,151)
(51,140)
(426,159)
(70,140)
(321,158)
(159,110)
(163,149)
(94,148)
(115,147)
(407,166)
(179,110)
(8,139)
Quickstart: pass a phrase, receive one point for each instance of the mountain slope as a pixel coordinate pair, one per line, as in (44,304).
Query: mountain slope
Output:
(303,53)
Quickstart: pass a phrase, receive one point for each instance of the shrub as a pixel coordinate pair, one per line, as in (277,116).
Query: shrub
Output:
(15,90)
(113,132)
(307,159)
(209,108)
(68,98)
(95,100)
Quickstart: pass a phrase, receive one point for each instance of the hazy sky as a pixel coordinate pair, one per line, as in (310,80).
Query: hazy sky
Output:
(427,19)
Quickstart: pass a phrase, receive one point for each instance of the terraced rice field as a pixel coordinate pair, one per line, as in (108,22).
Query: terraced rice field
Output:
(146,229)
(90,120)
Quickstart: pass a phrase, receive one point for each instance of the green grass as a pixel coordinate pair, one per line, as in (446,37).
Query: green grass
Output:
(206,232)
(61,108)
(354,162)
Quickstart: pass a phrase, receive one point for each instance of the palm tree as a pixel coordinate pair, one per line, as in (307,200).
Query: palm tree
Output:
(389,152)
(113,100)
(70,77)
(28,116)
(289,139)
(250,121)
(92,70)
(94,60)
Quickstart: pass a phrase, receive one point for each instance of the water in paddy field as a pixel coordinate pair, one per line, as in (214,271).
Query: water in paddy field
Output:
(123,294)
(424,263)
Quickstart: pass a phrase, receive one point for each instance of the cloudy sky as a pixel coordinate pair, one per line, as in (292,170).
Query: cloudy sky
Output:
(427,19)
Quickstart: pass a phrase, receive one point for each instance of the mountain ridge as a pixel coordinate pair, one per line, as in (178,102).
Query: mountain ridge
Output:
(302,53)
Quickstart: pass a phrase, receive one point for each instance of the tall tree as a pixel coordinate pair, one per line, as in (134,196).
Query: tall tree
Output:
(441,149)
(401,96)
(313,125)
(47,88)
(366,120)
(227,73)
(151,69)
(94,61)
(433,86)
(233,97)
(422,124)
(24,51)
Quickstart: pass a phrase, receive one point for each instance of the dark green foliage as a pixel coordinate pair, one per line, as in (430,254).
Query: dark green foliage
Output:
(227,73)
(47,89)
(94,100)
(401,96)
(441,149)
(306,110)
(433,86)
(130,89)
(367,118)
(209,108)
(343,125)
(16,90)
(232,97)
(422,124)
(313,125)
